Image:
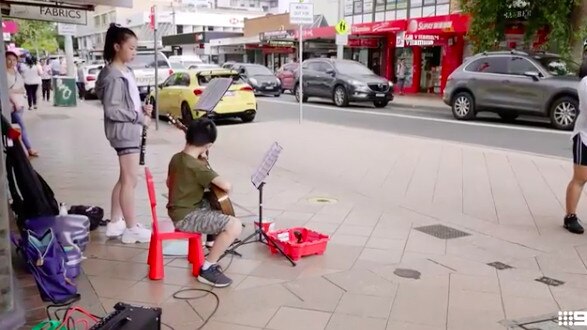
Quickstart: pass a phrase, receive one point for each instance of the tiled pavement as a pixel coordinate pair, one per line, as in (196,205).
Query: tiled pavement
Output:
(384,188)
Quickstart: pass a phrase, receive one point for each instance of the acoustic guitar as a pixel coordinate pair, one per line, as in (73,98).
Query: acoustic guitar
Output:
(218,198)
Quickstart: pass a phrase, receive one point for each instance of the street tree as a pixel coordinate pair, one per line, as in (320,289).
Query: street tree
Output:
(490,19)
(37,36)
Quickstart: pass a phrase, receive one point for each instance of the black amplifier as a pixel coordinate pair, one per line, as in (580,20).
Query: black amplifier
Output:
(131,317)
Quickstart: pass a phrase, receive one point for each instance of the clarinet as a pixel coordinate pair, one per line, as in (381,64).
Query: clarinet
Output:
(143,143)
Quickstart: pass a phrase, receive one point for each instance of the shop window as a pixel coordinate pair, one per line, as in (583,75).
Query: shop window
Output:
(442,10)
(358,8)
(348,7)
(367,6)
(520,65)
(439,2)
(368,18)
(429,11)
(402,14)
(415,12)
(380,5)
(357,19)
(415,3)
(402,4)
(380,17)
(429,2)
(390,16)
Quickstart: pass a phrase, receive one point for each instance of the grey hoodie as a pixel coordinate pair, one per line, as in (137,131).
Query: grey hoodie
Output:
(122,123)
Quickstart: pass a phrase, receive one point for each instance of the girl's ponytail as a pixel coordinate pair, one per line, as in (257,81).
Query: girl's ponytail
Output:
(116,34)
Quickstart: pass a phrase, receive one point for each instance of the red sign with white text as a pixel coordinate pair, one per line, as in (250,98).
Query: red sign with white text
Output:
(363,43)
(325,32)
(152,18)
(455,23)
(379,27)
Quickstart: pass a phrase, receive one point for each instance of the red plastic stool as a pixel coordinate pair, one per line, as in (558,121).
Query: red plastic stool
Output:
(165,230)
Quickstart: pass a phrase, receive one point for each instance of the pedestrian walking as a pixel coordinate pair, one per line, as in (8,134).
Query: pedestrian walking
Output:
(401,72)
(31,73)
(46,79)
(81,85)
(579,137)
(124,118)
(16,91)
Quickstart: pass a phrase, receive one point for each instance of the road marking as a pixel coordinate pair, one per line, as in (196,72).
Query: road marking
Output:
(440,120)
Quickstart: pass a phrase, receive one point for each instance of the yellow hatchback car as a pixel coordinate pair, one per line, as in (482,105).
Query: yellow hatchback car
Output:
(179,94)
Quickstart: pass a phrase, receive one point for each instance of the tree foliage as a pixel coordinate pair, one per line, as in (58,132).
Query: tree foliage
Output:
(489,22)
(37,36)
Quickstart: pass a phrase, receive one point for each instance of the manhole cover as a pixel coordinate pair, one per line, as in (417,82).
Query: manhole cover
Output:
(53,116)
(407,273)
(442,231)
(322,200)
(499,265)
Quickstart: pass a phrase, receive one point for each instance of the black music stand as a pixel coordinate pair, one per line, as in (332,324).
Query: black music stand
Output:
(258,180)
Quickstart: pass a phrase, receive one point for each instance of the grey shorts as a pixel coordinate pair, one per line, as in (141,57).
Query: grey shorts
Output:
(127,151)
(204,220)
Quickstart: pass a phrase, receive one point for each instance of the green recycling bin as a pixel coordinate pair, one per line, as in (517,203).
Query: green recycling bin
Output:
(64,91)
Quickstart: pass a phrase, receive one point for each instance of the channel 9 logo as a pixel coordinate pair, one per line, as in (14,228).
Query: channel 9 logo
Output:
(572,318)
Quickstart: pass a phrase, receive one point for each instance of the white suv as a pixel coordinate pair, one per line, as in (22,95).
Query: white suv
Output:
(143,66)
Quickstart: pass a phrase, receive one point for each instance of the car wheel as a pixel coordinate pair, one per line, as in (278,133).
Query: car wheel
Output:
(152,102)
(381,104)
(297,92)
(463,106)
(508,116)
(248,116)
(186,114)
(340,97)
(564,112)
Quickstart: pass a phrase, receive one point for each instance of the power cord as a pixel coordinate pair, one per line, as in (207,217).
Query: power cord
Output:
(178,295)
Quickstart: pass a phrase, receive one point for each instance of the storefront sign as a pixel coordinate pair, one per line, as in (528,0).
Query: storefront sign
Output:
(363,43)
(10,27)
(52,14)
(518,9)
(325,32)
(378,27)
(421,40)
(456,23)
(277,35)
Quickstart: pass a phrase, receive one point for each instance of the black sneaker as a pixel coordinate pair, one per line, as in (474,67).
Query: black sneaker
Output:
(573,224)
(213,276)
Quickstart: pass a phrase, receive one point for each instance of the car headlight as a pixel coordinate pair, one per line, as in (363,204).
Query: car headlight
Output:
(253,81)
(390,84)
(278,81)
(357,83)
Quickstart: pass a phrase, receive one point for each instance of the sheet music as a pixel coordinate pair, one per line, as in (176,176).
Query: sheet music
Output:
(266,165)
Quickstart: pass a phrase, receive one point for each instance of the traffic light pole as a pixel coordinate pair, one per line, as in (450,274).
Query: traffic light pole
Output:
(340,48)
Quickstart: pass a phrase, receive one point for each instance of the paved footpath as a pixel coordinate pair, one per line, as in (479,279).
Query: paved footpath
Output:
(414,224)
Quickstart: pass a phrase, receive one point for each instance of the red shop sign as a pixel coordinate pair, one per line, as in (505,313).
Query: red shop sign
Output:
(325,32)
(10,27)
(378,27)
(455,23)
(363,43)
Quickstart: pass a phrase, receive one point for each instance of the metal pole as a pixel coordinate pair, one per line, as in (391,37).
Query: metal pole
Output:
(69,55)
(155,25)
(340,48)
(300,60)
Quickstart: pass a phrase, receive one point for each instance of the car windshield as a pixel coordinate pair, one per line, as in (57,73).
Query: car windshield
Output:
(204,66)
(177,66)
(147,61)
(257,70)
(556,66)
(205,77)
(352,68)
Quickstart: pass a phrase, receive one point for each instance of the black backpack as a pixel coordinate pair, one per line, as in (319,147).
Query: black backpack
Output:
(31,195)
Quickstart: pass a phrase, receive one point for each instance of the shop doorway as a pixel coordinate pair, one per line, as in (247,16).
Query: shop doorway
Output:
(431,69)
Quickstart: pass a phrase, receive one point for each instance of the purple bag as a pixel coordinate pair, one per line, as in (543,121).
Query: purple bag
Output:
(45,259)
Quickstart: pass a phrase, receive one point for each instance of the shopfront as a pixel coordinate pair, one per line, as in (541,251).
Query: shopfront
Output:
(432,48)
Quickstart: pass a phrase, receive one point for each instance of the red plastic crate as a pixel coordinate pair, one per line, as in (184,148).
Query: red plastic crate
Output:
(311,242)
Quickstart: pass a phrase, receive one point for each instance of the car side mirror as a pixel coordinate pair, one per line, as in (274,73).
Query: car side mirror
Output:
(160,86)
(331,72)
(532,74)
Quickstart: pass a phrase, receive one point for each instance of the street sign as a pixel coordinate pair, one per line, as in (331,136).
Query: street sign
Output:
(51,14)
(66,29)
(301,13)
(152,18)
(342,39)
(342,27)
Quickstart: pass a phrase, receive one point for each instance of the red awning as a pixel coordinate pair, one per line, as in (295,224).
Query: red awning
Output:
(455,23)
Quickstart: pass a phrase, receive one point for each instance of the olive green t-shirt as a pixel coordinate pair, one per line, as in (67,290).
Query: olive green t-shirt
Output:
(188,179)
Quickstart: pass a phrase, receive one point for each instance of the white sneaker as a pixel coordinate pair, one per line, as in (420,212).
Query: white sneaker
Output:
(115,229)
(137,234)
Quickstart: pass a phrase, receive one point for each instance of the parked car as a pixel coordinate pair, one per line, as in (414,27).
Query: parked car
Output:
(343,81)
(228,65)
(91,72)
(511,83)
(263,81)
(288,74)
(143,66)
(186,60)
(179,94)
